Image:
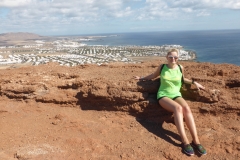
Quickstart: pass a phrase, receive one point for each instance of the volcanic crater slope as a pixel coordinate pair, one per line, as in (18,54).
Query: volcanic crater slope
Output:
(101,112)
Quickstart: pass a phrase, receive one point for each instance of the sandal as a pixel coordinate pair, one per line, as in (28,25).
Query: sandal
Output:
(187,148)
(199,148)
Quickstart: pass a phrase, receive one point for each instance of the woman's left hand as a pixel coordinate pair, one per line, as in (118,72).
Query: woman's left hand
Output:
(137,77)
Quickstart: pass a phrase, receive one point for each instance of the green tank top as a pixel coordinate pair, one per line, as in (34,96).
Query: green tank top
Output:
(170,83)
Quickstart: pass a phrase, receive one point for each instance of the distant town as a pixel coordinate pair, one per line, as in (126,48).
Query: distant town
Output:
(73,51)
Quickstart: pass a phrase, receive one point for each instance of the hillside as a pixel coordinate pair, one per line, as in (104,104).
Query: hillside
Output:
(54,112)
(19,36)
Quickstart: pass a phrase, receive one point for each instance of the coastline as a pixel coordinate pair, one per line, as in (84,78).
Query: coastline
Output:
(72,53)
(207,46)
(210,46)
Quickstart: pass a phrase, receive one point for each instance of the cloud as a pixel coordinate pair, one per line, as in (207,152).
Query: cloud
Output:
(200,4)
(14,3)
(233,5)
(175,9)
(116,8)
(57,14)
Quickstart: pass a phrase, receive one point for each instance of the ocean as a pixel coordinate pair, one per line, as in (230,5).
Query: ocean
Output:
(214,46)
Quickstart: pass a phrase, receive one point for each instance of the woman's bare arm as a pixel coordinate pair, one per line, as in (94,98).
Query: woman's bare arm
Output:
(188,81)
(150,76)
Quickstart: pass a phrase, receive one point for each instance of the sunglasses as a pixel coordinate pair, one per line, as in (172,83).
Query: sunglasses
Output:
(175,57)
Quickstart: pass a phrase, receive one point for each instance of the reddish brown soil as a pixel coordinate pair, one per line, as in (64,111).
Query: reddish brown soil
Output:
(52,112)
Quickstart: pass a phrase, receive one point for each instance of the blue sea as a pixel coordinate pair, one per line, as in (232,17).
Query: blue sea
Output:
(215,46)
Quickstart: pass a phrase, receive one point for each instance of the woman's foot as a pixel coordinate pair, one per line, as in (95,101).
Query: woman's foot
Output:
(199,148)
(187,148)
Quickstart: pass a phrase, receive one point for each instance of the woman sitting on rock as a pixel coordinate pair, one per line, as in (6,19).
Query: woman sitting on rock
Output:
(170,98)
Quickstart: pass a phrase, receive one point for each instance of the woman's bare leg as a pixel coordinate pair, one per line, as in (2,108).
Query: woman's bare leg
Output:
(177,110)
(188,116)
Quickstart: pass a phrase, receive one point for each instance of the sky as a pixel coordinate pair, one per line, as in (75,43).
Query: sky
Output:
(77,17)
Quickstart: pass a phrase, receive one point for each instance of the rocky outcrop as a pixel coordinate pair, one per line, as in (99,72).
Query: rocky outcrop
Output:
(113,91)
(91,112)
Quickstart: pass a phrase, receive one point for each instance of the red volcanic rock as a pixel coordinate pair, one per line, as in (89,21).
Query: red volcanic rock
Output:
(101,112)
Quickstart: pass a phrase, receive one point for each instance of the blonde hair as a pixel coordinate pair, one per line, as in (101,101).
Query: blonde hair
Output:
(172,50)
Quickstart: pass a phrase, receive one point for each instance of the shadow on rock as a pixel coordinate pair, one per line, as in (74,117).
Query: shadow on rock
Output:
(138,99)
(157,129)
